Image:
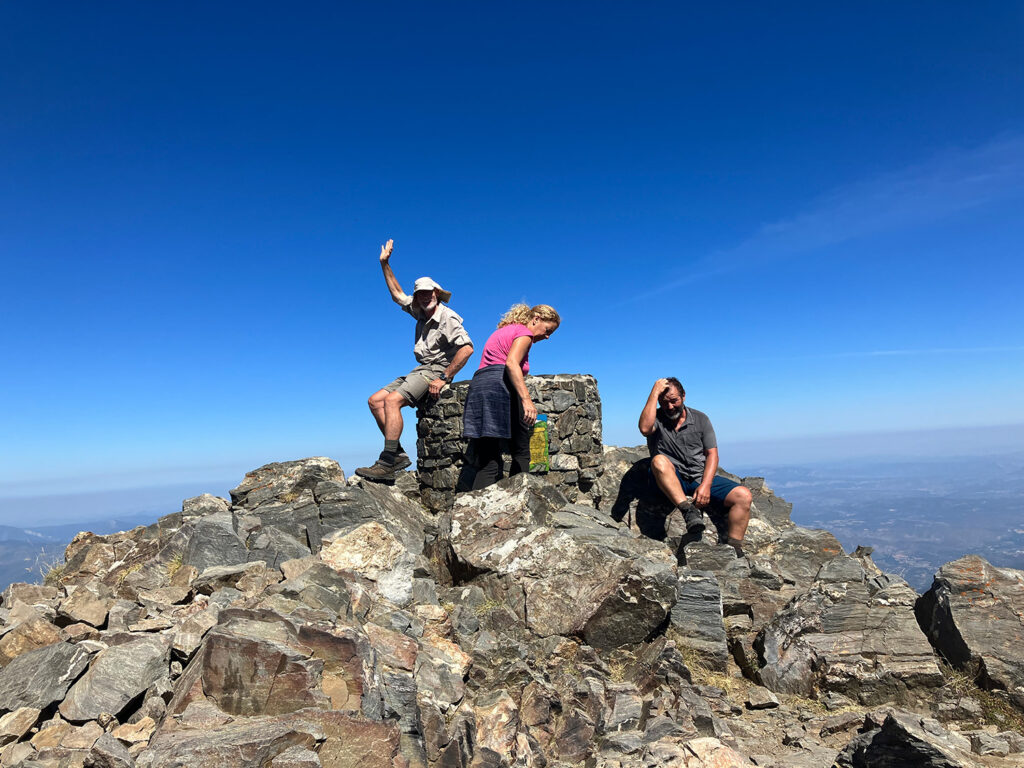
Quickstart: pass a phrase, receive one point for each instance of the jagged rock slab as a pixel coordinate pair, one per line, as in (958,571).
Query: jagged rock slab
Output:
(256,662)
(696,618)
(581,574)
(212,541)
(117,676)
(372,551)
(248,743)
(854,633)
(284,480)
(972,615)
(31,634)
(41,677)
(906,740)
(108,752)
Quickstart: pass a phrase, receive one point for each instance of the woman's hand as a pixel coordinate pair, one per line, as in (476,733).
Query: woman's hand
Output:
(529,412)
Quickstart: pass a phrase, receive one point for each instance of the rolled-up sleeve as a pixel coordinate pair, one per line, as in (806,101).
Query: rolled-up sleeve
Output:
(453,331)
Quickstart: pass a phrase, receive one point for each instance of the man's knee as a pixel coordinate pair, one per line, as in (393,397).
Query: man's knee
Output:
(395,400)
(376,400)
(661,465)
(740,498)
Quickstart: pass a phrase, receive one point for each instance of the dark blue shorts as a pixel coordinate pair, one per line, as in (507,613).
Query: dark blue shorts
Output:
(720,487)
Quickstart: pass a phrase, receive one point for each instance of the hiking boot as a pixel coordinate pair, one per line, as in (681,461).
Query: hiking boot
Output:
(402,461)
(380,472)
(736,544)
(694,520)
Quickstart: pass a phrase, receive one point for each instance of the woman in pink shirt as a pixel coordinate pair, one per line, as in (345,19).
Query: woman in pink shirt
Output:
(498,405)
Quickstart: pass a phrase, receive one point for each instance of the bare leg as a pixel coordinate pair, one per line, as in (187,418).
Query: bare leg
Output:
(376,403)
(665,476)
(393,424)
(737,504)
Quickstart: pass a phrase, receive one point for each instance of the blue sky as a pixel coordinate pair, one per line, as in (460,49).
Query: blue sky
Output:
(810,214)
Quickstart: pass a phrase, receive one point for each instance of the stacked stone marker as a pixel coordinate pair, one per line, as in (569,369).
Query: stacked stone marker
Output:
(573,407)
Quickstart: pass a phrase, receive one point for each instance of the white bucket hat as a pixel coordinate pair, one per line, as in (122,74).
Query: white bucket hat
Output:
(426,284)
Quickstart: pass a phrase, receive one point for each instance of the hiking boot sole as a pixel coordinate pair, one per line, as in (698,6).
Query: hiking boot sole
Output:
(372,473)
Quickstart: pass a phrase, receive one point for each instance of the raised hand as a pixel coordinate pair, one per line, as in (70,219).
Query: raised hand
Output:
(385,251)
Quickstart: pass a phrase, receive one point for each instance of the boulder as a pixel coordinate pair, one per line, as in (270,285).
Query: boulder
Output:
(906,740)
(39,678)
(696,618)
(116,676)
(31,634)
(972,615)
(853,633)
(284,481)
(108,752)
(212,541)
(579,572)
(372,551)
(14,725)
(248,743)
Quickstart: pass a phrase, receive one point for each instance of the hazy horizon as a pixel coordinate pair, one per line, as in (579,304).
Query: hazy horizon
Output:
(62,500)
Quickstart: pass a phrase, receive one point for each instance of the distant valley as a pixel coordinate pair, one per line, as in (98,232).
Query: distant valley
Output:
(916,515)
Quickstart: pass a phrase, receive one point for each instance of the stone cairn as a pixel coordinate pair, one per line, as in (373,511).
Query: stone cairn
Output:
(573,407)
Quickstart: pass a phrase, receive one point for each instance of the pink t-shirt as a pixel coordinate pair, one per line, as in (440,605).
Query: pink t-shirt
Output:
(497,347)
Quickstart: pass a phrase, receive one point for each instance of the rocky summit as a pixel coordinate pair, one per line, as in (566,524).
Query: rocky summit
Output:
(314,620)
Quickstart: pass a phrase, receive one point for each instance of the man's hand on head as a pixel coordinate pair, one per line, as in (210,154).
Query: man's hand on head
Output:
(660,386)
(435,388)
(385,251)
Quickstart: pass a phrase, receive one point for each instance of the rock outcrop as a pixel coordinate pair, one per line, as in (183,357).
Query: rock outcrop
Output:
(974,615)
(312,620)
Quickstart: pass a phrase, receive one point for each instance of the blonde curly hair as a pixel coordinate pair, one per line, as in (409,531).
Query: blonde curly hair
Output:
(524,313)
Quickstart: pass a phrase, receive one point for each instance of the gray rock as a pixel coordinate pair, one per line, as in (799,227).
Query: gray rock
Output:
(108,752)
(972,614)
(296,757)
(983,743)
(284,481)
(273,546)
(761,698)
(850,637)
(590,580)
(250,742)
(696,618)
(205,504)
(40,678)
(212,541)
(117,675)
(904,740)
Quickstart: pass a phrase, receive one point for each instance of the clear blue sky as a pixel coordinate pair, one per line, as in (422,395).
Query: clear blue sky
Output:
(811,214)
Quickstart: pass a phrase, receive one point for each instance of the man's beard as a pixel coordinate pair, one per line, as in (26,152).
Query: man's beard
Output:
(430,306)
(673,413)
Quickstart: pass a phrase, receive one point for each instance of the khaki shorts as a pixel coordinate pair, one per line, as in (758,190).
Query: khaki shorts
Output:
(413,386)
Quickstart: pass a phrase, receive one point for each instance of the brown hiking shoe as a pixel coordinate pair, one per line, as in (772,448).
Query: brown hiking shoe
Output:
(379,472)
(402,461)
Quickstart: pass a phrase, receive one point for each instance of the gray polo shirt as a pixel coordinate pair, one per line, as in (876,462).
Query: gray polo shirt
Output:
(439,336)
(685,448)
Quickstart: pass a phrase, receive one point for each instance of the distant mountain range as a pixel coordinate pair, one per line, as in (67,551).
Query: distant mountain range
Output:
(27,553)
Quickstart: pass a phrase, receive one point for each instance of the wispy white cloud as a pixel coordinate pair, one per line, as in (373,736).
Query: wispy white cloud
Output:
(947,184)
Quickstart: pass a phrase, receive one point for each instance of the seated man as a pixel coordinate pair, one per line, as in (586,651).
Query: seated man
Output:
(442,347)
(684,460)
